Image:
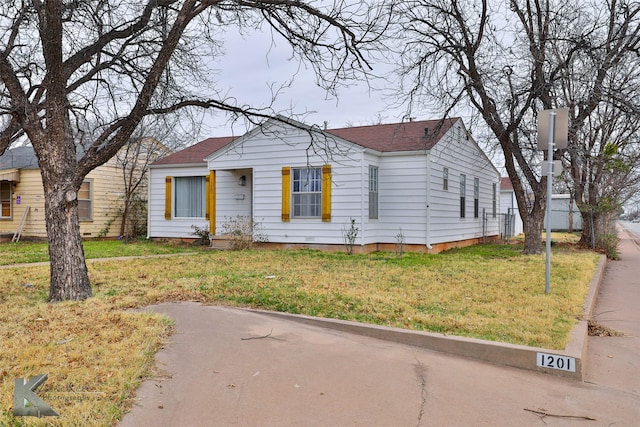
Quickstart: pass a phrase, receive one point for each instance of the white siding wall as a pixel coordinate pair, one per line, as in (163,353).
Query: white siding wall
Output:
(232,199)
(158,225)
(402,198)
(461,155)
(508,204)
(267,154)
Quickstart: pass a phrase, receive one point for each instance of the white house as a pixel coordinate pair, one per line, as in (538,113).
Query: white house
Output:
(511,221)
(425,183)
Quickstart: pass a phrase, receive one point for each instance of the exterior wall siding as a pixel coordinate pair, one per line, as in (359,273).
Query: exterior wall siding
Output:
(107,202)
(158,226)
(457,152)
(266,154)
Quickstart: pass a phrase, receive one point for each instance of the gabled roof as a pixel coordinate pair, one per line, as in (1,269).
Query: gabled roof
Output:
(197,152)
(505,183)
(19,158)
(406,136)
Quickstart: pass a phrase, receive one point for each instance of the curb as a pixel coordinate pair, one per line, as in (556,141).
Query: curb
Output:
(517,356)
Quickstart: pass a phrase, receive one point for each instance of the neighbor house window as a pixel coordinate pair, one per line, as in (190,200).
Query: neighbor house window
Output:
(494,200)
(5,198)
(373,192)
(463,190)
(307,192)
(476,197)
(445,179)
(190,196)
(85,205)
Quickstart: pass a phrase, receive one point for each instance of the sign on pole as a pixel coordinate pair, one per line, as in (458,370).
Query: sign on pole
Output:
(560,129)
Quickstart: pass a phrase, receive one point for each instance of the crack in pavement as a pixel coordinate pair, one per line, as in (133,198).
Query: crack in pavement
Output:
(421,374)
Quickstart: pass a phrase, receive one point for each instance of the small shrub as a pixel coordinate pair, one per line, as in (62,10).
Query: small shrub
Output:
(608,243)
(350,235)
(203,235)
(399,243)
(244,232)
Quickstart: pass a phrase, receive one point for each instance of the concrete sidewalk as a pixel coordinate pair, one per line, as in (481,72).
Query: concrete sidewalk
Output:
(235,367)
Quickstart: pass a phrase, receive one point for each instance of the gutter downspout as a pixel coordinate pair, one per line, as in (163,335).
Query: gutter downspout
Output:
(427,219)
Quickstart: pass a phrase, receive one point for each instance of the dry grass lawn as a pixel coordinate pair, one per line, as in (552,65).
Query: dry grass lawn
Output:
(97,352)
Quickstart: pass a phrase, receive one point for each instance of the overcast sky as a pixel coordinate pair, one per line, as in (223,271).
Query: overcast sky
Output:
(252,64)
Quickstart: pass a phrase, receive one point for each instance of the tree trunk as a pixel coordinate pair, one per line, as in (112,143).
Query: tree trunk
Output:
(68,269)
(588,232)
(532,227)
(125,216)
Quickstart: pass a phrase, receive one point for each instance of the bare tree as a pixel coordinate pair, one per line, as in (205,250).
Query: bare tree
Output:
(505,61)
(134,159)
(115,62)
(604,170)
(599,81)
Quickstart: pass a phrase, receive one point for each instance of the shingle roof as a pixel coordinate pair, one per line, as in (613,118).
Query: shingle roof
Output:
(505,183)
(406,136)
(197,152)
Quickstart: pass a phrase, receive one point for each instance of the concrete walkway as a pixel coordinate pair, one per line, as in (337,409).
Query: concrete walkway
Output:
(227,367)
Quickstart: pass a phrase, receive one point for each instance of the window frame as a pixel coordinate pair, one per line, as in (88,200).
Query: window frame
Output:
(494,201)
(88,201)
(476,197)
(374,185)
(463,191)
(306,204)
(445,179)
(195,199)
(8,202)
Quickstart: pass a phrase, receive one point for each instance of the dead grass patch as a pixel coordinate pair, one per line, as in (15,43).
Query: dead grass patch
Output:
(97,352)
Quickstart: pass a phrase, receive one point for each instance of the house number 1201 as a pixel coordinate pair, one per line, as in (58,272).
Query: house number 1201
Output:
(553,361)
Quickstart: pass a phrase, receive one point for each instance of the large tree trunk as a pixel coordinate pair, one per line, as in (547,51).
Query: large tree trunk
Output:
(68,269)
(532,227)
(587,237)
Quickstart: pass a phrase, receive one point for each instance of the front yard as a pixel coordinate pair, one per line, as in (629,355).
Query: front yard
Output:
(97,352)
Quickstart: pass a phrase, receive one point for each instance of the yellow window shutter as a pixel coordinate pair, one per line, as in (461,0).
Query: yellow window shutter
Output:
(286,196)
(211,201)
(167,197)
(326,193)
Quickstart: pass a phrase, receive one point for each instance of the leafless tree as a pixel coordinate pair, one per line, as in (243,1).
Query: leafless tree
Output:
(115,62)
(134,159)
(505,61)
(604,169)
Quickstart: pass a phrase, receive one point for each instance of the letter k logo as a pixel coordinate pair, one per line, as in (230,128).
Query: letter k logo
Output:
(24,393)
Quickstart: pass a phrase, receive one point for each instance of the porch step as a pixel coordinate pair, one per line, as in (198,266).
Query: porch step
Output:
(222,243)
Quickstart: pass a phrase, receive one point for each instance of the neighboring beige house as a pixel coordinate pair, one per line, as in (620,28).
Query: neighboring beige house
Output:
(100,199)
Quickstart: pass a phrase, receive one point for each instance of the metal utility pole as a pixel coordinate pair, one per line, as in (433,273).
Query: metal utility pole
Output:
(555,124)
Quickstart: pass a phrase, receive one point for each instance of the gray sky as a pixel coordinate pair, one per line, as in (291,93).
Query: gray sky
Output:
(252,64)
